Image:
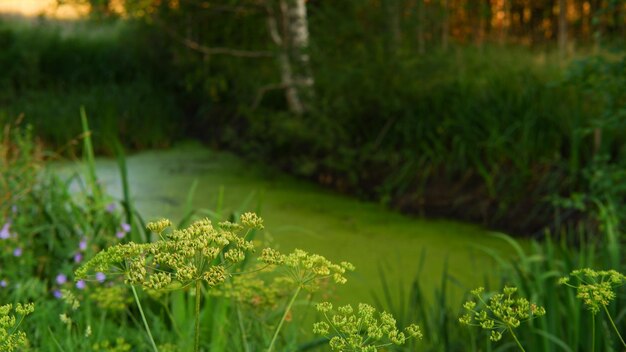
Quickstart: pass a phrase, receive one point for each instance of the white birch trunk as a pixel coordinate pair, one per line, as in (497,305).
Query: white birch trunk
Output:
(279,37)
(298,28)
(292,93)
(292,38)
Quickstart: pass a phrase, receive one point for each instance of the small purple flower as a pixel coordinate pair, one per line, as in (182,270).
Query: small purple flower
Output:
(78,257)
(4,233)
(14,209)
(100,277)
(120,234)
(125,227)
(3,283)
(80,284)
(17,252)
(82,244)
(57,294)
(111,208)
(61,279)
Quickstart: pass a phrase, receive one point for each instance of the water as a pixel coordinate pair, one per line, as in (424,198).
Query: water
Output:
(298,214)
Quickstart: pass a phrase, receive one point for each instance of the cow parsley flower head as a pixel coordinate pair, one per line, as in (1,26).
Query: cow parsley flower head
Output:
(305,269)
(499,312)
(201,252)
(361,329)
(159,225)
(595,288)
(11,338)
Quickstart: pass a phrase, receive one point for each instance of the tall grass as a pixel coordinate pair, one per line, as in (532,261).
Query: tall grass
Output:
(535,270)
(48,229)
(51,222)
(50,71)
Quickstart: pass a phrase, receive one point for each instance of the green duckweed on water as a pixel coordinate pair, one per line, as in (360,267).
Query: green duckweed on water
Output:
(298,214)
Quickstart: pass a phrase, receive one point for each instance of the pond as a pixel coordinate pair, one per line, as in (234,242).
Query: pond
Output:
(301,215)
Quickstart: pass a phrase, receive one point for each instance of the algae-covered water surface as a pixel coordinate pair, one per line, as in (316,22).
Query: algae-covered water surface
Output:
(298,214)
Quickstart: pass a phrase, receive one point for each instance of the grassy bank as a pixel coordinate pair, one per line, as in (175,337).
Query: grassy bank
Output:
(55,224)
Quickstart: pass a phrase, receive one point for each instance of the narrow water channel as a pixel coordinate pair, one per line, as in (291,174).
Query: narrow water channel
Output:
(298,214)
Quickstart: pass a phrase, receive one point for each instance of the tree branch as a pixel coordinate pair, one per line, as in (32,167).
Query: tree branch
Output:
(212,50)
(272,26)
(261,93)
(276,86)
(240,8)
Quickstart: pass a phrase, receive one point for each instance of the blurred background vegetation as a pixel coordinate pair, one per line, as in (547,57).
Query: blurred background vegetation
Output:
(504,113)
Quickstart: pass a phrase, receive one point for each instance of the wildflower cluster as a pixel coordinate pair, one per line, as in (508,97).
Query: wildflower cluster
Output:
(159,225)
(305,269)
(11,338)
(12,244)
(361,331)
(500,313)
(113,298)
(595,288)
(200,252)
(70,299)
(253,291)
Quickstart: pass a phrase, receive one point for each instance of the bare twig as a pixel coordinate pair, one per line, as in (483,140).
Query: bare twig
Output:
(272,26)
(261,92)
(276,86)
(213,50)
(240,8)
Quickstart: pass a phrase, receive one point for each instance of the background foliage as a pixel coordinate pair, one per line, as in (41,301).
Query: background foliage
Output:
(455,108)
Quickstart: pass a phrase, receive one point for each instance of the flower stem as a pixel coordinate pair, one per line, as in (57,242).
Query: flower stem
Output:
(614,327)
(516,340)
(143,317)
(593,332)
(244,338)
(197,314)
(282,320)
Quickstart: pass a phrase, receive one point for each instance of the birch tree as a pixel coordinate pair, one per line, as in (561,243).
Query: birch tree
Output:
(299,34)
(288,29)
(293,53)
